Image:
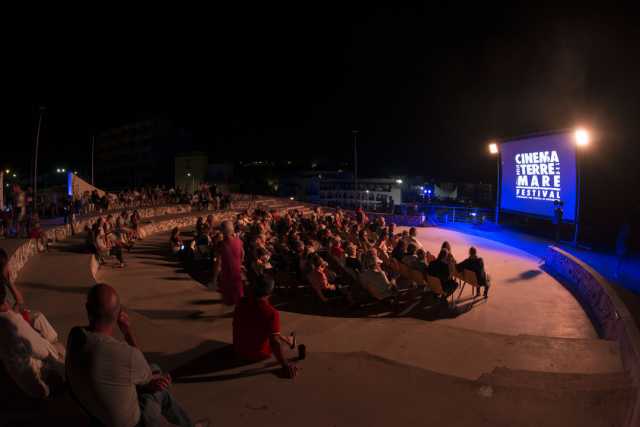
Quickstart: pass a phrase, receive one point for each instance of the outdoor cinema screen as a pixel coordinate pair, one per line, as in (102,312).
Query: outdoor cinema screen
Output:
(536,171)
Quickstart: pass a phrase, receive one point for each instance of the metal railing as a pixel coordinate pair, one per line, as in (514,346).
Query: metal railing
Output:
(442,214)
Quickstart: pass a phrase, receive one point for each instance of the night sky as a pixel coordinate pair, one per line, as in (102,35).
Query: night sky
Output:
(427,87)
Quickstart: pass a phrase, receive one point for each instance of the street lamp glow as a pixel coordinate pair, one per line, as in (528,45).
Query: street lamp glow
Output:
(291,198)
(398,181)
(14,175)
(582,137)
(63,170)
(7,171)
(188,173)
(493,148)
(58,170)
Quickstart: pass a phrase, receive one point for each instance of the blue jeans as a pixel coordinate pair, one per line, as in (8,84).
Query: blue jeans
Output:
(161,404)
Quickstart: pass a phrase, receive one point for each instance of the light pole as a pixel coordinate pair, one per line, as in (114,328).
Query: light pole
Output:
(582,139)
(493,149)
(93,143)
(41,111)
(355,164)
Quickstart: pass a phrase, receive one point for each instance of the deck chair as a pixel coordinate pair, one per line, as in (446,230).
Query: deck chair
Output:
(286,280)
(470,278)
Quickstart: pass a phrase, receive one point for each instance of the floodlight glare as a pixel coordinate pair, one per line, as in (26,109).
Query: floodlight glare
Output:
(493,148)
(582,137)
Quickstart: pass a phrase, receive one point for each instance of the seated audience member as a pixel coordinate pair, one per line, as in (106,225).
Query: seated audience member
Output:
(336,250)
(111,379)
(105,246)
(177,245)
(261,264)
(12,295)
(352,261)
(422,263)
(256,328)
(413,239)
(318,279)
(451,261)
(440,269)
(373,279)
(399,251)
(35,363)
(476,264)
(36,232)
(410,259)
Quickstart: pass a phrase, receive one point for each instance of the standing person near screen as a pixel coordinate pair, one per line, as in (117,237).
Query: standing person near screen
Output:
(557,218)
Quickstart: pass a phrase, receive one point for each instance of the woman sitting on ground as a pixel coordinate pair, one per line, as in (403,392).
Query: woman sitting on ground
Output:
(175,241)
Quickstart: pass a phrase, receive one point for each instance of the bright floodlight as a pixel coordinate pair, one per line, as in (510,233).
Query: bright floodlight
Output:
(398,181)
(63,170)
(7,171)
(291,198)
(493,148)
(582,137)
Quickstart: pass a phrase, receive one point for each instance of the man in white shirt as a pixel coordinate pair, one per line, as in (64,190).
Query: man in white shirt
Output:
(34,363)
(111,379)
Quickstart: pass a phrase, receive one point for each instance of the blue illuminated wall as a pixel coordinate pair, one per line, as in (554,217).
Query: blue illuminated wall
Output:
(536,171)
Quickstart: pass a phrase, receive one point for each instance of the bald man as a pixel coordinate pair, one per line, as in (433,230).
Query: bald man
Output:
(111,379)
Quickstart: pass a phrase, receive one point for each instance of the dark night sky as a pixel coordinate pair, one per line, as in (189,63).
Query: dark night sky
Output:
(427,86)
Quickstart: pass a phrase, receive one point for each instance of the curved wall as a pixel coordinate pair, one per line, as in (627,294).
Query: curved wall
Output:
(610,315)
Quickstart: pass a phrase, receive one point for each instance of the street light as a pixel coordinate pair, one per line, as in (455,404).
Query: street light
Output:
(398,181)
(7,171)
(495,150)
(582,138)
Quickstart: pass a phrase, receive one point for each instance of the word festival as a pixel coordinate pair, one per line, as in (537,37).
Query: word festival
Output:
(538,176)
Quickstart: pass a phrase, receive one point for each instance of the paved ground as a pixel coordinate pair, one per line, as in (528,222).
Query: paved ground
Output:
(523,299)
(360,371)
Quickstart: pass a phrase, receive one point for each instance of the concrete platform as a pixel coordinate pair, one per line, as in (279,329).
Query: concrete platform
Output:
(523,300)
(360,371)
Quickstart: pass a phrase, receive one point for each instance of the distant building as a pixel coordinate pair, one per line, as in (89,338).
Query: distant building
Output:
(372,194)
(190,170)
(137,154)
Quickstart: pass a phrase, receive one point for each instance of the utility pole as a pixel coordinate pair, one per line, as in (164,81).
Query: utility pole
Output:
(93,143)
(355,164)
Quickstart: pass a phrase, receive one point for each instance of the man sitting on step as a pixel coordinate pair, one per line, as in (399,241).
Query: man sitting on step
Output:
(111,379)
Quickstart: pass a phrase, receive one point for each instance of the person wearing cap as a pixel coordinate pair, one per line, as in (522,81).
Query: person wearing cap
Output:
(256,328)
(318,279)
(373,279)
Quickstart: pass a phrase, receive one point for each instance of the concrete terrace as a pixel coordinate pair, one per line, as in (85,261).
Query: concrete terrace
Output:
(527,356)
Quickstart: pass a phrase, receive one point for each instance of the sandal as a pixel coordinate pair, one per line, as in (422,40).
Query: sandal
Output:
(294,341)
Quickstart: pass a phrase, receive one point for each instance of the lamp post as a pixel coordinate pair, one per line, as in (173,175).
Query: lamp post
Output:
(41,111)
(582,139)
(494,150)
(355,164)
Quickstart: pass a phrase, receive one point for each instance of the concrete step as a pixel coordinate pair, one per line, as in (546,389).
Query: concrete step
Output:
(514,378)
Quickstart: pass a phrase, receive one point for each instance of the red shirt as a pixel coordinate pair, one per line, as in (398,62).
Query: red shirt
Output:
(254,322)
(337,251)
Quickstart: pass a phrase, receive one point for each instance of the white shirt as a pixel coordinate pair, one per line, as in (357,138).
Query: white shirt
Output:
(103,373)
(24,353)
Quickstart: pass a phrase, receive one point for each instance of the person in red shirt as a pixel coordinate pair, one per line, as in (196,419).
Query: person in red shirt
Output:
(256,328)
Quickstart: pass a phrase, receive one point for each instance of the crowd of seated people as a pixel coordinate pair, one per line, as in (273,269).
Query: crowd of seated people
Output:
(336,255)
(110,235)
